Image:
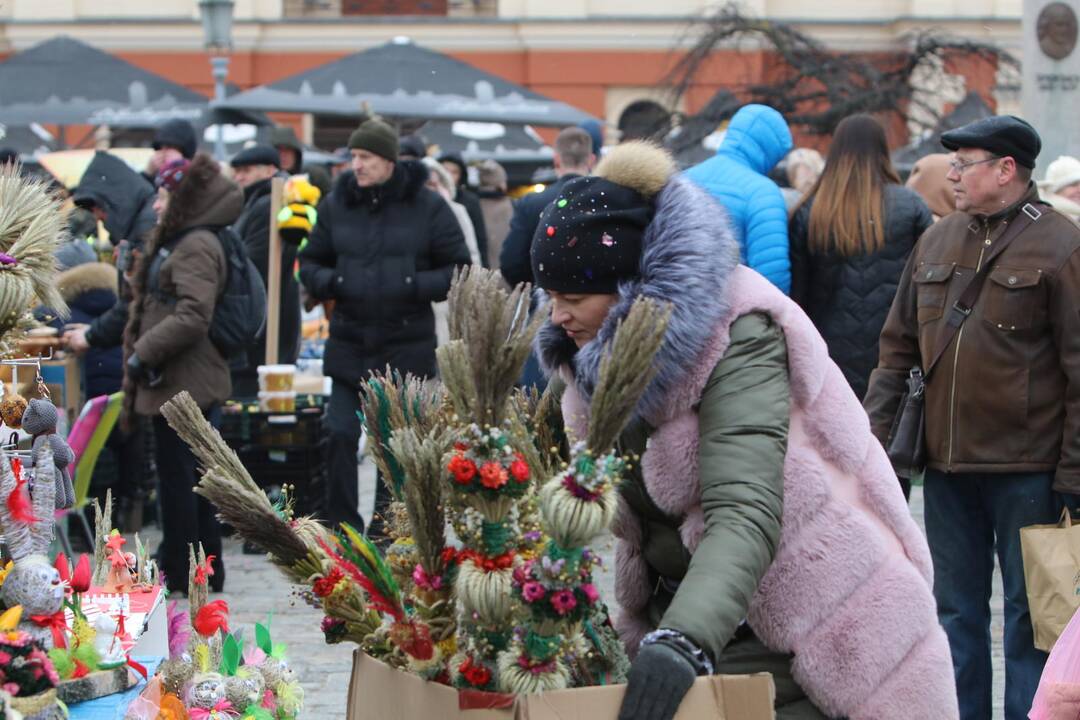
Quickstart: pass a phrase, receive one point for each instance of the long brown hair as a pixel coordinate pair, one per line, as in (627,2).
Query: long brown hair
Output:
(848,214)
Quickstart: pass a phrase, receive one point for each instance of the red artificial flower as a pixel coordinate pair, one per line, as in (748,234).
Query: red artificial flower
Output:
(325,585)
(80,580)
(563,601)
(212,617)
(493,475)
(62,567)
(520,469)
(414,639)
(475,674)
(489,564)
(205,571)
(463,468)
(449,556)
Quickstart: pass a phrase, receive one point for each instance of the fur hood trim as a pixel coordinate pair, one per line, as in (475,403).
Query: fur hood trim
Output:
(405,184)
(688,253)
(89,276)
(204,197)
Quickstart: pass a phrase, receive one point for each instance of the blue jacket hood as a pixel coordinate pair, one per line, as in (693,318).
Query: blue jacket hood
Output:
(759,136)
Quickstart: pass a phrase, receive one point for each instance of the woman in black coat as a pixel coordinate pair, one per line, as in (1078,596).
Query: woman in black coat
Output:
(850,239)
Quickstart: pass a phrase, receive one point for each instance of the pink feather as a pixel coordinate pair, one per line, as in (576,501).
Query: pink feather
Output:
(254,655)
(179,630)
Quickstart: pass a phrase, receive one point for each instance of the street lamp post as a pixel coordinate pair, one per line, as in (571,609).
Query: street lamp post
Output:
(217,34)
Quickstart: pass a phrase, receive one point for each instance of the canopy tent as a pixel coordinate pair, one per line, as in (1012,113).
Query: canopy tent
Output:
(63,81)
(476,141)
(27,140)
(403,80)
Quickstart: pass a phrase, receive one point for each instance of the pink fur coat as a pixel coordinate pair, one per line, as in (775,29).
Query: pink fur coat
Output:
(849,590)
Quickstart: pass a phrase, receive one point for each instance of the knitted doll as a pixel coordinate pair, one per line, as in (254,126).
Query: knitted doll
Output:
(40,421)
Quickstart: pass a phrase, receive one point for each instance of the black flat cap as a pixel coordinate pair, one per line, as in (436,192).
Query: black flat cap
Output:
(256,155)
(1004,135)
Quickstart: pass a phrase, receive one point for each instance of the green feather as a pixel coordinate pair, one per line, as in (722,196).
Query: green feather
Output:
(262,638)
(381,435)
(254,712)
(230,656)
(363,553)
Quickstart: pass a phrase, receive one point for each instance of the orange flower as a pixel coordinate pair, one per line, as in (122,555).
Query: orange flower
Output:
(493,475)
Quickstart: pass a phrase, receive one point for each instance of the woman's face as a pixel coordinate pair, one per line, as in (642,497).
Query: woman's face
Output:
(161,201)
(580,315)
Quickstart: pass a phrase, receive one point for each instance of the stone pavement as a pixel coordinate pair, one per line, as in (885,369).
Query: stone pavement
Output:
(254,589)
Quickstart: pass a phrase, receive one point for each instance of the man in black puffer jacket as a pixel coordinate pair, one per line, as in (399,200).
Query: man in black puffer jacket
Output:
(384,248)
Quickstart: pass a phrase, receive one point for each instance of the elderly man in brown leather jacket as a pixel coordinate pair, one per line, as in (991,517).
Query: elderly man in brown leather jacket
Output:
(1002,403)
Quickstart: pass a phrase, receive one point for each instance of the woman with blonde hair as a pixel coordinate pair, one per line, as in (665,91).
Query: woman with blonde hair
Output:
(850,239)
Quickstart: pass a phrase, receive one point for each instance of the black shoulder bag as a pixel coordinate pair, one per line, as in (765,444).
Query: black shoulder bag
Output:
(906,445)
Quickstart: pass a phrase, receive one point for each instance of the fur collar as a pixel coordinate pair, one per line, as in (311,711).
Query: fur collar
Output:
(83,278)
(405,184)
(688,252)
(204,197)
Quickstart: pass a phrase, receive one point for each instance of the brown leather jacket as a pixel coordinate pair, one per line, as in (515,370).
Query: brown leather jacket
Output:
(1005,396)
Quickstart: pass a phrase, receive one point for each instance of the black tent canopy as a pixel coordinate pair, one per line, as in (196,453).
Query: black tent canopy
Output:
(63,81)
(402,80)
(66,82)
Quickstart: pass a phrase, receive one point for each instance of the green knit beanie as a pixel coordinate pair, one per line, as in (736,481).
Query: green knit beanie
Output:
(376,137)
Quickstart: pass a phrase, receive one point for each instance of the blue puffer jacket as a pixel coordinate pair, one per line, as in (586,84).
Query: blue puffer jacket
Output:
(756,139)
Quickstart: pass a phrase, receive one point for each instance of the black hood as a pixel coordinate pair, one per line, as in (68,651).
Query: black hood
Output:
(125,196)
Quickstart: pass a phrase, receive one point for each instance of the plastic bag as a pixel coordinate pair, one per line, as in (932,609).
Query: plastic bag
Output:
(1058,695)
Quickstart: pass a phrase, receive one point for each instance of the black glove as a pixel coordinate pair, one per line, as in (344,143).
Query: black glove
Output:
(135,368)
(660,677)
(139,372)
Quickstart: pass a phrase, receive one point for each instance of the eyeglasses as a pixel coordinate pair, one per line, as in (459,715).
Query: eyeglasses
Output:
(960,167)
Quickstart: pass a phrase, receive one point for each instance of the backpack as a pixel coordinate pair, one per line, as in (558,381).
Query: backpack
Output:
(239,318)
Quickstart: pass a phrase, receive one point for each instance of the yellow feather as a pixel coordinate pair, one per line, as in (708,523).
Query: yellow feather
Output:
(10,619)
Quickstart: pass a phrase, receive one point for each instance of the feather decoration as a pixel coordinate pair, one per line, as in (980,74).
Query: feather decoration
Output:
(383,596)
(374,560)
(212,617)
(18,502)
(238,499)
(380,413)
(179,630)
(202,657)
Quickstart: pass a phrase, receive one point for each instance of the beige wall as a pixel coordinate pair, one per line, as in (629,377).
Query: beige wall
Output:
(52,10)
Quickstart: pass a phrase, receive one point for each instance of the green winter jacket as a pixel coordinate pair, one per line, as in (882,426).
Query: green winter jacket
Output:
(743,425)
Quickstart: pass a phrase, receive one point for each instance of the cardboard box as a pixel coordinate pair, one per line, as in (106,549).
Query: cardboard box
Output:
(378,692)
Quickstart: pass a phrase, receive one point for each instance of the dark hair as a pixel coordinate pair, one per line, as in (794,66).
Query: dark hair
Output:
(849,203)
(573,146)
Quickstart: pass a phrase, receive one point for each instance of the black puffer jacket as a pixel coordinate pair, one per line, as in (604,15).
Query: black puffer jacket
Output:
(848,297)
(384,254)
(128,201)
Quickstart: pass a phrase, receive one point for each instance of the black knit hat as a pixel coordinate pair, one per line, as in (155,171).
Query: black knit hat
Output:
(376,137)
(178,134)
(256,155)
(590,237)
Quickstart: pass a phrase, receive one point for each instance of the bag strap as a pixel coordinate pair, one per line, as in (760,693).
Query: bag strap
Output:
(961,309)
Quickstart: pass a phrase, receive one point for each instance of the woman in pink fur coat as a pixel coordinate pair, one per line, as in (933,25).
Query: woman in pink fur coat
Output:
(763,529)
